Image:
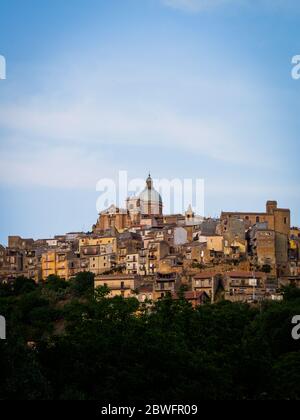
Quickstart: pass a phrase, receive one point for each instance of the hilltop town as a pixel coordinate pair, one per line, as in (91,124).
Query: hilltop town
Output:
(138,251)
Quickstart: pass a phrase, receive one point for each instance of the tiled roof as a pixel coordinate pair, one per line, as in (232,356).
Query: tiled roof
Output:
(245,274)
(204,275)
(190,295)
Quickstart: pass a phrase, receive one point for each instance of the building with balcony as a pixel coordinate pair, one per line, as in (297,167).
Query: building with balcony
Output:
(125,285)
(165,283)
(207,282)
(242,286)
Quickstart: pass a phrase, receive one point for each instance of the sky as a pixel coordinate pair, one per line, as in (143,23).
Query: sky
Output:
(181,88)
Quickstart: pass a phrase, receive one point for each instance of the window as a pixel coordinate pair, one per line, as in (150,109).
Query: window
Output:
(285,220)
(122,285)
(257,219)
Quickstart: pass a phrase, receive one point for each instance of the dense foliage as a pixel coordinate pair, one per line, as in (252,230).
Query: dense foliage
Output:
(67,342)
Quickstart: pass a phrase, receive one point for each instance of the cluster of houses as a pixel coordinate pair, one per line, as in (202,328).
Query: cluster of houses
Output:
(138,251)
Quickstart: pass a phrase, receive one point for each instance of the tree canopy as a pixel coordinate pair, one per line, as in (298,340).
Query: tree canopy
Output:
(84,345)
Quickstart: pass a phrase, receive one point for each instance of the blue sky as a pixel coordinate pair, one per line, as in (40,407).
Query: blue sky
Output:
(185,88)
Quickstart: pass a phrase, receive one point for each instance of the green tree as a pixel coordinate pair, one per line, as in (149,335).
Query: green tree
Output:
(56,283)
(83,284)
(23,285)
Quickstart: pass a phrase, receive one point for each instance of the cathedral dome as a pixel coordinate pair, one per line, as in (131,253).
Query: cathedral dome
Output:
(150,195)
(151,201)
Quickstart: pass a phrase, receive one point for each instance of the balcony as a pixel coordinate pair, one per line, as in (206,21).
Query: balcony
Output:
(153,248)
(131,259)
(164,287)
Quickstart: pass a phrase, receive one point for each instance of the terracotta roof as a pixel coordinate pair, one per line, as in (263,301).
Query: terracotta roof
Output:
(116,277)
(245,274)
(190,295)
(237,213)
(205,275)
(193,244)
(145,288)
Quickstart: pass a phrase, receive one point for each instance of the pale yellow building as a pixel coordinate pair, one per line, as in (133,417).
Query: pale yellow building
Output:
(106,244)
(124,285)
(215,243)
(98,264)
(60,263)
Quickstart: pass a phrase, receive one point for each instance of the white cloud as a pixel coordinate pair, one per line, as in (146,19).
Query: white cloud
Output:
(69,138)
(56,167)
(62,132)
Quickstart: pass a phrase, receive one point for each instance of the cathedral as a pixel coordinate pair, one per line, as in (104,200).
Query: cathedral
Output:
(145,209)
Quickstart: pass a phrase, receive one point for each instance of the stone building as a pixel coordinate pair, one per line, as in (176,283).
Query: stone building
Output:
(242,286)
(59,262)
(277,219)
(136,263)
(17,242)
(294,245)
(195,298)
(128,243)
(97,245)
(165,283)
(125,285)
(156,252)
(194,252)
(262,247)
(207,282)
(113,217)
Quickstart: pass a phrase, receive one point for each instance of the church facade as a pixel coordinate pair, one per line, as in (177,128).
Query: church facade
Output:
(145,209)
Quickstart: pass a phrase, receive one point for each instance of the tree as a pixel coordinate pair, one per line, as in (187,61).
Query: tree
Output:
(23,285)
(56,283)
(291,293)
(83,284)
(87,345)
